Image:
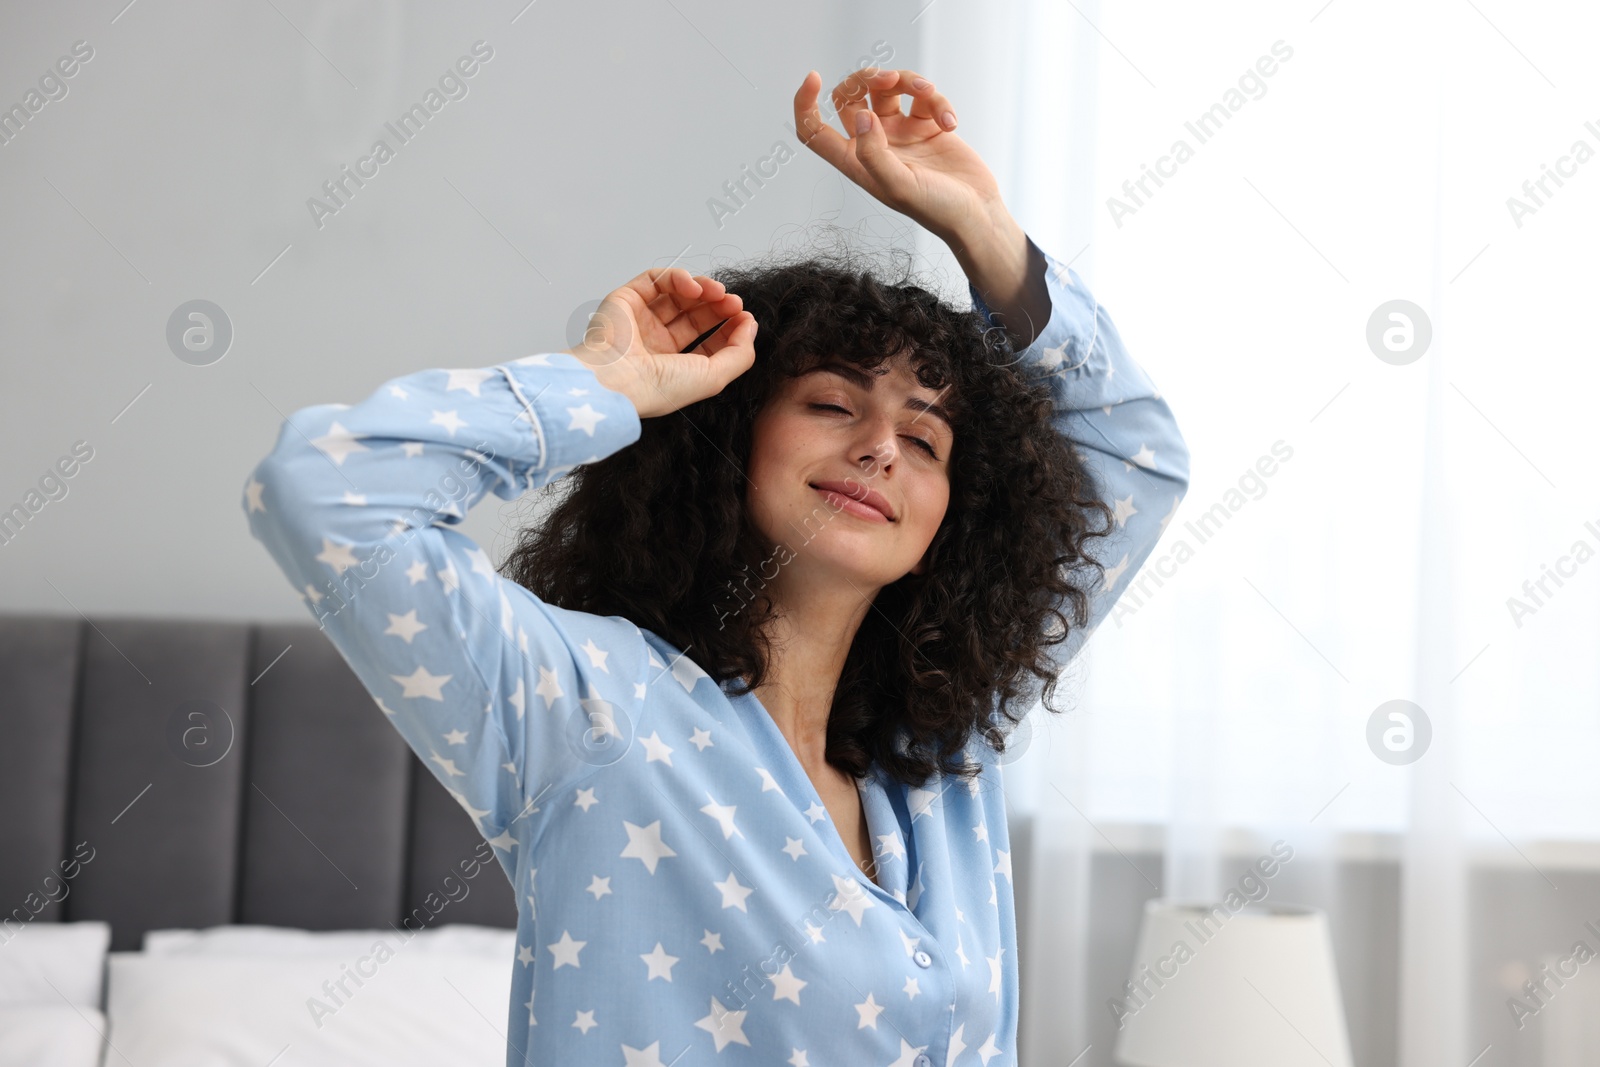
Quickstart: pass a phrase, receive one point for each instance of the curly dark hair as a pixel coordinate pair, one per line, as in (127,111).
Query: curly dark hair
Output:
(659,533)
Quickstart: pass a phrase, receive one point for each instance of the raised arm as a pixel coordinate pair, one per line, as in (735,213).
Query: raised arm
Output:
(1112,412)
(502,695)
(356,504)
(913,161)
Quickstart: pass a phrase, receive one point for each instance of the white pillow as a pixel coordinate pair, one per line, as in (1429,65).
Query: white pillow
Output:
(43,962)
(493,941)
(57,1034)
(208,1009)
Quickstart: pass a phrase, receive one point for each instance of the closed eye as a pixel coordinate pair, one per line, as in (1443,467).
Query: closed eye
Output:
(926,447)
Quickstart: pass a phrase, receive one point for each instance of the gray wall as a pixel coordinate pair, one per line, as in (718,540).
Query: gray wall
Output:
(178,166)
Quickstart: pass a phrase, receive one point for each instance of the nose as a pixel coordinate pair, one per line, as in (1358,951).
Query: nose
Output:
(877,447)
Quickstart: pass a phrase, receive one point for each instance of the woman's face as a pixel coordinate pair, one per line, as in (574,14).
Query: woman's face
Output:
(837,433)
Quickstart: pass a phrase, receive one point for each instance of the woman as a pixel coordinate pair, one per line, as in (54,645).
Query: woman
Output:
(731,722)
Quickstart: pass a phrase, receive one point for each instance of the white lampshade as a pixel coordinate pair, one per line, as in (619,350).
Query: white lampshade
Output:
(1212,987)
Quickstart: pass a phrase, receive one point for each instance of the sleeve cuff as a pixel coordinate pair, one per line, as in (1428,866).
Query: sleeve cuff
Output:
(1069,335)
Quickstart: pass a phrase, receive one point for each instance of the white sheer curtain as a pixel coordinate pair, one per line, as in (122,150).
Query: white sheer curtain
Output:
(1227,706)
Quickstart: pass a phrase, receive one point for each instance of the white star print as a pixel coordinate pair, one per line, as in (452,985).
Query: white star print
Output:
(525,954)
(712,942)
(419,683)
(869,1010)
(687,672)
(1144,457)
(395,390)
(994,971)
(723,813)
(989,1050)
(733,894)
(649,1056)
(724,1026)
(598,886)
(455,737)
(586,419)
(849,895)
(1004,865)
(597,658)
(412,449)
(659,963)
(566,951)
(481,564)
(449,420)
(892,845)
(656,749)
(252,493)
(1125,510)
(701,739)
(518,699)
(338,443)
(645,844)
(469,379)
(908,1054)
(417,572)
(602,721)
(785,986)
(504,841)
(585,1021)
(548,687)
(1114,574)
(585,799)
(957,1045)
(405,626)
(920,801)
(449,578)
(911,990)
(816,811)
(339,557)
(794,847)
(769,783)
(798,1059)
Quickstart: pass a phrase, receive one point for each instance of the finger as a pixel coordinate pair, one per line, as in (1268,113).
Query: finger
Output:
(884,91)
(926,100)
(658,282)
(849,98)
(731,350)
(673,303)
(877,159)
(697,320)
(813,131)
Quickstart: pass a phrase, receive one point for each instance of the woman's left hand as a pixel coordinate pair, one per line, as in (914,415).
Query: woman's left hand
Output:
(914,163)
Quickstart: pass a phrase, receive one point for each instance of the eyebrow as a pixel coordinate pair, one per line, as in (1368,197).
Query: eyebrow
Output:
(867,381)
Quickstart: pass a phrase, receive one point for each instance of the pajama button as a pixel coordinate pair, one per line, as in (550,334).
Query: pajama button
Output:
(923,959)
(923,1061)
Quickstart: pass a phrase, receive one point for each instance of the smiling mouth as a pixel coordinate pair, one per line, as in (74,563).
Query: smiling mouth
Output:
(842,501)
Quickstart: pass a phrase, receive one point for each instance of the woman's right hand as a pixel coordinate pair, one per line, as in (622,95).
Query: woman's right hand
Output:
(635,338)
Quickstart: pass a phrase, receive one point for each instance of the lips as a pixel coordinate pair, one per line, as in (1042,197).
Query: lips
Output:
(859,493)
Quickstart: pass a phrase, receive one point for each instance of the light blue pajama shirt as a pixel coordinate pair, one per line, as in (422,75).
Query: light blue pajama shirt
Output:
(683,896)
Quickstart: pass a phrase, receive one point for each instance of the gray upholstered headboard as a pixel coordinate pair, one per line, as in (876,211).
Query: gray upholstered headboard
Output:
(316,815)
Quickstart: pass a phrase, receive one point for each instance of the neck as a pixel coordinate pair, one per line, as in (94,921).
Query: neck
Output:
(810,637)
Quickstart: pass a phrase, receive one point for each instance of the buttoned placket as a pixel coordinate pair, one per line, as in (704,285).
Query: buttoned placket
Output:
(881,819)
